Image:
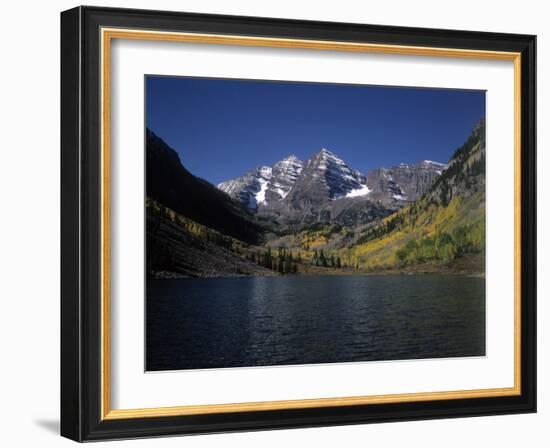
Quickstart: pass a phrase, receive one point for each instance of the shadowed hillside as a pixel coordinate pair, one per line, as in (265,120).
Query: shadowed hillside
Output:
(169,183)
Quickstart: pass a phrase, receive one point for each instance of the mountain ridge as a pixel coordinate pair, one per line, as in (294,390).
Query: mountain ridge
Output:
(321,163)
(294,192)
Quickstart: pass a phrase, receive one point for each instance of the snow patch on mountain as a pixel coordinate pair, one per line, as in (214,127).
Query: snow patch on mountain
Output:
(400,197)
(438,167)
(357,192)
(260,195)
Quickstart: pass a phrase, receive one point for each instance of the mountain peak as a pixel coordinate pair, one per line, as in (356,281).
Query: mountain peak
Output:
(327,177)
(264,184)
(327,153)
(325,158)
(290,162)
(291,158)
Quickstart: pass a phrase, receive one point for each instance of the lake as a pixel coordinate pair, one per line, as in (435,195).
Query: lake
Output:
(260,321)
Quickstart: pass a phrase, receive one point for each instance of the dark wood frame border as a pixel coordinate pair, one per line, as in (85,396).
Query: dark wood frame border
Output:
(82,413)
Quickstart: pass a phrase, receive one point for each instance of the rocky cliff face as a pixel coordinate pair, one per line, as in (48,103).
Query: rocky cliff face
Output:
(383,185)
(415,180)
(405,182)
(285,173)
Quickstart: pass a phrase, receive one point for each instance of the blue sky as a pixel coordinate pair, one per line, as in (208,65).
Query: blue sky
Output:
(222,128)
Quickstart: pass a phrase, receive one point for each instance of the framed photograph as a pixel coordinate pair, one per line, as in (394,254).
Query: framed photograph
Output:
(275,224)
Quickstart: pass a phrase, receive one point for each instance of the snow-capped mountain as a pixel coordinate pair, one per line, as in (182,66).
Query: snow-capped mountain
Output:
(265,184)
(284,176)
(326,177)
(325,186)
(249,189)
(340,180)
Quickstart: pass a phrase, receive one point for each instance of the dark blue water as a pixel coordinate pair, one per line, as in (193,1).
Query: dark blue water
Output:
(211,323)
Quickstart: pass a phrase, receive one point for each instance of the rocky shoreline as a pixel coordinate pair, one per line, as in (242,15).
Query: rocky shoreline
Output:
(468,265)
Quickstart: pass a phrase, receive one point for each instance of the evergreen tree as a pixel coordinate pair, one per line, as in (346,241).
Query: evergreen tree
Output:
(268,260)
(322,259)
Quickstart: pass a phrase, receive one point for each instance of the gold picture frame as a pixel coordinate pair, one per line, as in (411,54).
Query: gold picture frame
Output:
(107,31)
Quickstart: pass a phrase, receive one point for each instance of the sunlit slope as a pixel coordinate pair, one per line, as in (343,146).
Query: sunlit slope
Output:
(447,223)
(425,232)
